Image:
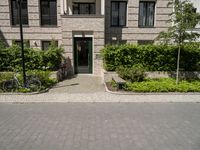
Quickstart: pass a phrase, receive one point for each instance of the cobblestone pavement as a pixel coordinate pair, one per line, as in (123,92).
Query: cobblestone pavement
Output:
(100,126)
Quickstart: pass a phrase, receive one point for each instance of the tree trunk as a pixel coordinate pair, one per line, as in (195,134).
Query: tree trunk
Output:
(178,64)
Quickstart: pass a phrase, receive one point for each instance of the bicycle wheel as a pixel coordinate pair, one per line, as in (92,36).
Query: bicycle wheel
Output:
(9,86)
(34,85)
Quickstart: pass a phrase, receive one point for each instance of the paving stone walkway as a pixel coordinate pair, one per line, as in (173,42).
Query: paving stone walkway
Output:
(80,84)
(87,88)
(97,97)
(100,126)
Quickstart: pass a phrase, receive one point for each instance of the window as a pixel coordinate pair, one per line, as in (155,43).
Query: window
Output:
(118,42)
(18,42)
(46,44)
(146,14)
(118,13)
(145,42)
(84,8)
(15,12)
(48,9)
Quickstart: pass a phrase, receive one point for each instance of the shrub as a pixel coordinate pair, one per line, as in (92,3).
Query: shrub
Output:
(34,58)
(2,45)
(152,57)
(44,77)
(53,57)
(163,85)
(136,73)
(4,76)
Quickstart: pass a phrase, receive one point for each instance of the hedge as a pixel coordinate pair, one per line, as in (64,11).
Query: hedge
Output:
(35,59)
(152,57)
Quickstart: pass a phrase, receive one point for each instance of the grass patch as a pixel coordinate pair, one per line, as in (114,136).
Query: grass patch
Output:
(163,85)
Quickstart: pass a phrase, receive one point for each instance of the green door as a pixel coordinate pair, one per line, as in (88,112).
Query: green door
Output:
(83,55)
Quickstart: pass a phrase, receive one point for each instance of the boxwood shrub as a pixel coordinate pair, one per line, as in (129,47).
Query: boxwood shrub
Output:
(134,74)
(152,57)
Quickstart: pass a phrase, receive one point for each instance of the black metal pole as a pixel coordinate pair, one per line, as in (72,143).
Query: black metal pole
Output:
(22,42)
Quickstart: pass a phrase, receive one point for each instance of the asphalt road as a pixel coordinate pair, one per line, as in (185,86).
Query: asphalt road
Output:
(100,126)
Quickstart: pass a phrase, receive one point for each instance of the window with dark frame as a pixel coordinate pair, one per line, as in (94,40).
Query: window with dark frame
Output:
(48,10)
(146,13)
(118,13)
(84,8)
(46,44)
(15,12)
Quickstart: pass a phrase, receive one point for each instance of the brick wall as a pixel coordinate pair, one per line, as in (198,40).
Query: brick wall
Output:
(132,33)
(33,32)
(88,27)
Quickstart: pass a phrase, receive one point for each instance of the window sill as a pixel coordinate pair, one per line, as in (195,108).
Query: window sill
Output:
(17,26)
(82,16)
(146,27)
(119,26)
(49,26)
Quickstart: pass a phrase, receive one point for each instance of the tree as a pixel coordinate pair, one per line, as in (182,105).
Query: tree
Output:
(184,19)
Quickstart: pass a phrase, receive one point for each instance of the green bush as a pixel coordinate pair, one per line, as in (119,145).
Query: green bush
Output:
(11,59)
(4,76)
(34,58)
(152,57)
(53,57)
(43,76)
(2,45)
(136,73)
(163,85)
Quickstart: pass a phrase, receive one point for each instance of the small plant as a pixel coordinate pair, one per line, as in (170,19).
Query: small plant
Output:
(113,84)
(44,77)
(4,76)
(136,73)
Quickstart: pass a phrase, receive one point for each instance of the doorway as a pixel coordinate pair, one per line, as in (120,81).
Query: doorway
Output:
(82,55)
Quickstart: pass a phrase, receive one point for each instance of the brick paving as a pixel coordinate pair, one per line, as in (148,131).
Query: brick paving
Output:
(100,126)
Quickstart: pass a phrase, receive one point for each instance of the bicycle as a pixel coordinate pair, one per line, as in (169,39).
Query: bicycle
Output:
(32,83)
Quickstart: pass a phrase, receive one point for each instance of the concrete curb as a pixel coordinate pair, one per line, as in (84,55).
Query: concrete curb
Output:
(31,93)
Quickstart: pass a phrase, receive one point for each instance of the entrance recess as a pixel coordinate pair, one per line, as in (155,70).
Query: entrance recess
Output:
(82,55)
